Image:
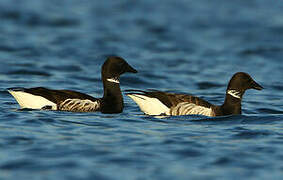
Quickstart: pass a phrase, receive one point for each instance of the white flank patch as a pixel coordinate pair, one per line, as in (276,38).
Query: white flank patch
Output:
(150,106)
(114,80)
(79,105)
(27,100)
(187,108)
(234,93)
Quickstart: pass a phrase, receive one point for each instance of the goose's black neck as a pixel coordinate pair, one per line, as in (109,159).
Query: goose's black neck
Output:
(112,101)
(112,69)
(232,103)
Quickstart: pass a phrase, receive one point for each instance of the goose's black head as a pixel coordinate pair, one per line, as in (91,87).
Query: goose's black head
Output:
(241,82)
(115,66)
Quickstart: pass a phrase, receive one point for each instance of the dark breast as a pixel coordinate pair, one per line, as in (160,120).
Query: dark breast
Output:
(112,104)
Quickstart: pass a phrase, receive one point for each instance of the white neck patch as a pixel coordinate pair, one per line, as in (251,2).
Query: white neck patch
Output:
(234,93)
(113,80)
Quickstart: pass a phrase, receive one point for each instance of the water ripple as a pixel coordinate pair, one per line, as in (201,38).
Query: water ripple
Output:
(28,72)
(19,164)
(250,134)
(64,68)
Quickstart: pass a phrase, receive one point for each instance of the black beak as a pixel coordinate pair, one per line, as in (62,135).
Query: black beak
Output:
(130,69)
(256,86)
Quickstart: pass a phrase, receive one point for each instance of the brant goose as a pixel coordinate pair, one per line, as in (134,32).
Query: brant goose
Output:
(66,100)
(163,103)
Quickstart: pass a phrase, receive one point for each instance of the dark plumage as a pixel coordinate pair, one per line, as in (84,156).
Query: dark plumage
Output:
(158,102)
(67,100)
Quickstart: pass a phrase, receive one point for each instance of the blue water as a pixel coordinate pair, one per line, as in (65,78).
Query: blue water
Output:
(178,46)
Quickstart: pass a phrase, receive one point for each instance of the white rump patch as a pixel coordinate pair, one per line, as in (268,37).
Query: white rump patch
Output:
(27,100)
(187,108)
(114,80)
(234,93)
(150,106)
(79,105)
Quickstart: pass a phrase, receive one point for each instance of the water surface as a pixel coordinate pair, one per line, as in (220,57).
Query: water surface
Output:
(179,46)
